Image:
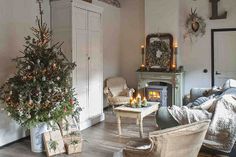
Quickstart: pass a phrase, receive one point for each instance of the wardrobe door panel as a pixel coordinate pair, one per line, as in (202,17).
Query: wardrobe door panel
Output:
(94,21)
(80,18)
(81,31)
(81,70)
(95,65)
(80,56)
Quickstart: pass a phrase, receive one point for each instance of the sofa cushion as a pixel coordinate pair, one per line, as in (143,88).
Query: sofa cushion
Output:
(197,92)
(206,105)
(213,91)
(199,101)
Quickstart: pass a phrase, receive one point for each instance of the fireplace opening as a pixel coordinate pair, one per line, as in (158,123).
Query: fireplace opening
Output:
(154,95)
(158,92)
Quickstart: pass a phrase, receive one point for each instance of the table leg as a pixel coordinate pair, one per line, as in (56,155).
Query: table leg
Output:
(119,124)
(141,127)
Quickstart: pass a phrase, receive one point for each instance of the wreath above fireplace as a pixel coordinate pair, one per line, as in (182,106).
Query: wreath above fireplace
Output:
(159,52)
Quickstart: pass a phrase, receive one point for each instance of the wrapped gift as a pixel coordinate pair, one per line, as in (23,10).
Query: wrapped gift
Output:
(73,144)
(53,142)
(73,147)
(68,125)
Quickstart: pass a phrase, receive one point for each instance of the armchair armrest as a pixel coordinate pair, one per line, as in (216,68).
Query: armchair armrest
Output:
(106,90)
(131,92)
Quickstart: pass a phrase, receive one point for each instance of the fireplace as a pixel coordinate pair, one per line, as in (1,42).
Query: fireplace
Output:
(156,93)
(172,82)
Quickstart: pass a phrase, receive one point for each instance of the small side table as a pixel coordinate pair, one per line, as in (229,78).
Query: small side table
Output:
(137,113)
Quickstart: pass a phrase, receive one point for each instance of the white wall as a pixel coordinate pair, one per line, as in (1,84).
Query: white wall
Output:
(196,56)
(132,37)
(170,16)
(16,19)
(162,16)
(111,39)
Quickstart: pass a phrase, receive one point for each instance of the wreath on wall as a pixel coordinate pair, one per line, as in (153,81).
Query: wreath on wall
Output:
(159,54)
(195,25)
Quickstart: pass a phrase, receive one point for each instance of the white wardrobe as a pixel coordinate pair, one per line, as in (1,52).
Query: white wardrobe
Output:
(79,25)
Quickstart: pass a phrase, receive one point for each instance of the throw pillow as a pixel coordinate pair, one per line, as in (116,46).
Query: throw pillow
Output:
(115,91)
(213,91)
(125,92)
(206,105)
(229,84)
(199,101)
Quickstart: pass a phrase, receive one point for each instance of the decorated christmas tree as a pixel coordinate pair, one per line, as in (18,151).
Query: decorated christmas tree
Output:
(41,89)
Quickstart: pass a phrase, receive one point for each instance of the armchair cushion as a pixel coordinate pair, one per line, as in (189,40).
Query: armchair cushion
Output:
(125,92)
(143,144)
(116,91)
(121,92)
(118,100)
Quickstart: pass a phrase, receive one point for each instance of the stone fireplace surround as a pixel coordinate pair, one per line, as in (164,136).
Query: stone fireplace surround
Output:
(174,79)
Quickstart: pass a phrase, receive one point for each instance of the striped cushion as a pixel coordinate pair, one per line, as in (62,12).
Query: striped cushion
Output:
(199,101)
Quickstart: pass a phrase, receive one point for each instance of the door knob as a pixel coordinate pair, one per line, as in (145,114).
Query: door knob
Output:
(218,73)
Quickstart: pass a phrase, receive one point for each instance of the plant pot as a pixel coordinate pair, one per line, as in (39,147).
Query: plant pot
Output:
(36,137)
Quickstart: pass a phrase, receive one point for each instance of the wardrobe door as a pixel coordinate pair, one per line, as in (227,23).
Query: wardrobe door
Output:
(80,56)
(95,64)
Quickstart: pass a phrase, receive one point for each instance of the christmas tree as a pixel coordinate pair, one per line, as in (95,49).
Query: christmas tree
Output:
(41,89)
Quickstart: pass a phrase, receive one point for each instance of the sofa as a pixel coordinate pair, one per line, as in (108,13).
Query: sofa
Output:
(200,100)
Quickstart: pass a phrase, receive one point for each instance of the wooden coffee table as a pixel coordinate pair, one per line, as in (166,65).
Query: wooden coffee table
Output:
(137,113)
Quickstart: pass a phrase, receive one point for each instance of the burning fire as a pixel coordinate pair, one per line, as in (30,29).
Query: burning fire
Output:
(154,95)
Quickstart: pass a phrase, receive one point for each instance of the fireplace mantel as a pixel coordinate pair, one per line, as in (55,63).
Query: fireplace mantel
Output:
(175,79)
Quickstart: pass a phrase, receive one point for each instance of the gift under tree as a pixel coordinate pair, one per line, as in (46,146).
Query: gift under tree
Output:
(40,91)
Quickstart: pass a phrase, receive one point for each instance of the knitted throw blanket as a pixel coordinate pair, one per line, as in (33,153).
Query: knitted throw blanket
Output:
(221,134)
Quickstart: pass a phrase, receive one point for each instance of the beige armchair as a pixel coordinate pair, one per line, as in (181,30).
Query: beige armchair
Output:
(117,92)
(181,141)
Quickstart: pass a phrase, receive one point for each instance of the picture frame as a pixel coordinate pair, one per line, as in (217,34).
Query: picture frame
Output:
(159,52)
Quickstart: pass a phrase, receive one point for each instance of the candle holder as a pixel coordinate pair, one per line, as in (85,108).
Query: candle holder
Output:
(142,67)
(138,102)
(174,62)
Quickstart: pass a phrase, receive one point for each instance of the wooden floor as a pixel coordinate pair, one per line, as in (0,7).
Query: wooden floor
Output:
(100,140)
